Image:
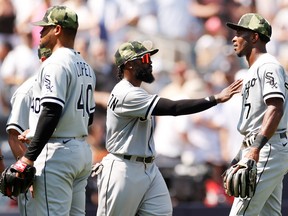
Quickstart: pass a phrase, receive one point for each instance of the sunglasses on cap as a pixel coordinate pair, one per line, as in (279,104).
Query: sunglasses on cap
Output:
(146,59)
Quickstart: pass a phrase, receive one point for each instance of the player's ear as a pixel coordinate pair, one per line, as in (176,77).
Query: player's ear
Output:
(58,29)
(255,37)
(128,66)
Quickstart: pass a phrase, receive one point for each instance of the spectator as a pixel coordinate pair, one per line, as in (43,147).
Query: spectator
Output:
(7,19)
(186,25)
(5,48)
(116,17)
(169,146)
(87,19)
(279,38)
(232,109)
(19,64)
(103,67)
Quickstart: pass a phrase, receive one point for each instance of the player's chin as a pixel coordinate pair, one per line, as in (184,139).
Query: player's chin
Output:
(238,53)
(149,78)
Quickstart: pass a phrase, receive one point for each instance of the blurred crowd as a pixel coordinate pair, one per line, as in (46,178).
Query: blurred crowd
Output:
(196,59)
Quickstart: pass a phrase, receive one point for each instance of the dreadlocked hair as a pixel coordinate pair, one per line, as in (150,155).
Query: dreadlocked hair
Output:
(120,72)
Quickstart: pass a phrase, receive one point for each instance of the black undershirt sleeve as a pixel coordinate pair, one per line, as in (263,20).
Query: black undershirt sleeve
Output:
(183,107)
(91,117)
(47,123)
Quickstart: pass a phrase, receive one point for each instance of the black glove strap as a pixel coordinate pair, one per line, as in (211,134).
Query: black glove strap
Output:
(260,141)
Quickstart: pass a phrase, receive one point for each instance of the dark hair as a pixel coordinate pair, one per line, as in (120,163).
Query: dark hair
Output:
(70,32)
(120,72)
(263,38)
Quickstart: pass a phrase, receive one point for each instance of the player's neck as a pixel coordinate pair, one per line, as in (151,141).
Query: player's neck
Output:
(134,82)
(254,56)
(129,76)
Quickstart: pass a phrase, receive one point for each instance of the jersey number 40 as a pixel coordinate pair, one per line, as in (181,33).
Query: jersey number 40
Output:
(84,99)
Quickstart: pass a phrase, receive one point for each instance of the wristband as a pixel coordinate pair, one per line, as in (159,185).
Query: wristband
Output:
(259,141)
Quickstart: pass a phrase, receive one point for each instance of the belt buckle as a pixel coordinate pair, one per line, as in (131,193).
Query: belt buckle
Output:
(144,160)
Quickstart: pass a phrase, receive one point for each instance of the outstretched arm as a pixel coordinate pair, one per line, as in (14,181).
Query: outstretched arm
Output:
(190,106)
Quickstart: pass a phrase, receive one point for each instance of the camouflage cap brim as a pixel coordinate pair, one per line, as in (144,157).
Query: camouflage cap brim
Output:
(42,23)
(152,52)
(235,26)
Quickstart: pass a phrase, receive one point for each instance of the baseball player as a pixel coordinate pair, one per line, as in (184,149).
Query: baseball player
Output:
(263,119)
(61,110)
(130,182)
(17,123)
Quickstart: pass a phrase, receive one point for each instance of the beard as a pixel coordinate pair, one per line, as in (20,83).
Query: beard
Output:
(144,75)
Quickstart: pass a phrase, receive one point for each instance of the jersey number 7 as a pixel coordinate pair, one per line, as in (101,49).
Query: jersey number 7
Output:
(248,105)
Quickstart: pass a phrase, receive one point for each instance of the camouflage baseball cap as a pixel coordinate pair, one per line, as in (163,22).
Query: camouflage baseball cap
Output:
(59,15)
(131,50)
(254,22)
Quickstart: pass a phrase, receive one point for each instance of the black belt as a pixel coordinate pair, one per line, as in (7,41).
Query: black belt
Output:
(139,159)
(248,141)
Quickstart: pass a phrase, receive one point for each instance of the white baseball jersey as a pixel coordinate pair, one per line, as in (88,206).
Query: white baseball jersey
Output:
(265,79)
(129,122)
(20,102)
(66,79)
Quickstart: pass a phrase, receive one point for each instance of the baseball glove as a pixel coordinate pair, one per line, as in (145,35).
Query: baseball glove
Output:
(240,179)
(16,179)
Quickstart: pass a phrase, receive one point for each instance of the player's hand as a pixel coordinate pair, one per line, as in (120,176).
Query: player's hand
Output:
(23,137)
(31,191)
(253,153)
(229,91)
